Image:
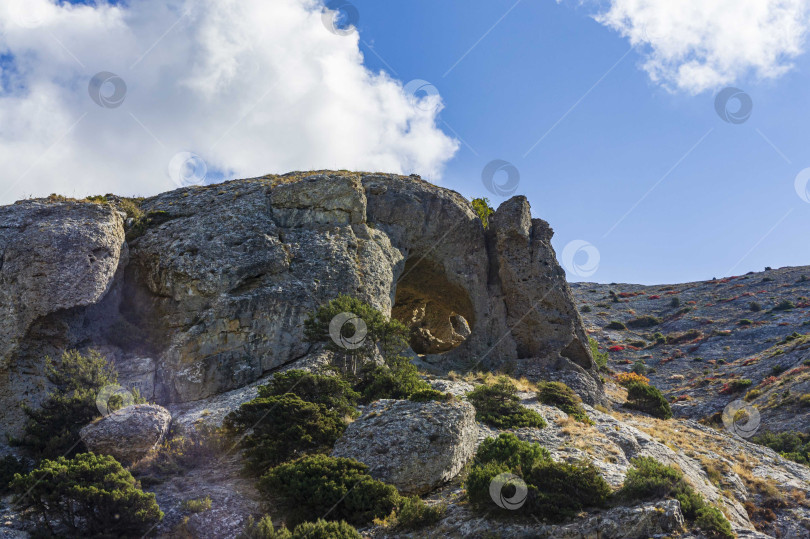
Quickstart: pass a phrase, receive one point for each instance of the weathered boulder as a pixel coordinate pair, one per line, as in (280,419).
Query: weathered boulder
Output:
(128,434)
(415,446)
(210,291)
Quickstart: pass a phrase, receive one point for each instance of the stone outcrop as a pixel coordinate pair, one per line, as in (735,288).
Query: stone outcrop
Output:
(415,446)
(210,289)
(128,434)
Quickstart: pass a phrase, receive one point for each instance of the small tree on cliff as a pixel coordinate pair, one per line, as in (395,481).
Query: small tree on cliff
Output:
(483,209)
(354,330)
(52,429)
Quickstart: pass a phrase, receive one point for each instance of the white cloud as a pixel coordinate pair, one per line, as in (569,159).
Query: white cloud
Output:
(698,45)
(249,85)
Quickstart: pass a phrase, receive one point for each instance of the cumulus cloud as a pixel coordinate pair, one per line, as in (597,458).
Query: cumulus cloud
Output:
(248,85)
(698,45)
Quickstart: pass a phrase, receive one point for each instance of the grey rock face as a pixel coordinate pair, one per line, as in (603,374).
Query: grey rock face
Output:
(210,291)
(415,446)
(128,434)
(52,257)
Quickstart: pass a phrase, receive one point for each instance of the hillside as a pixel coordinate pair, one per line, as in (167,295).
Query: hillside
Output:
(345,354)
(708,343)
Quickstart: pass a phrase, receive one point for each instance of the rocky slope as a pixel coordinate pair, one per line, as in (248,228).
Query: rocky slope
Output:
(703,342)
(199,296)
(202,290)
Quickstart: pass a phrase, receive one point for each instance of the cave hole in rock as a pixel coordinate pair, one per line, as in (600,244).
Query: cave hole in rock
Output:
(439,314)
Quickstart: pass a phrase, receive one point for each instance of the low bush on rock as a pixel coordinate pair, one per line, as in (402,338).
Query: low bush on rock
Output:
(561,396)
(52,430)
(648,399)
(646,321)
(415,513)
(615,324)
(499,406)
(277,428)
(626,379)
(315,485)
(320,529)
(483,209)
(648,479)
(791,445)
(331,391)
(600,358)
(398,379)
(553,491)
(86,496)
(426,395)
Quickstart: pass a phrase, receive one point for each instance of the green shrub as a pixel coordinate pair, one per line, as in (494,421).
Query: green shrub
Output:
(785,305)
(585,309)
(331,391)
(675,302)
(753,394)
(507,449)
(275,429)
(639,368)
(648,399)
(320,529)
(560,490)
(53,429)
(646,321)
(397,380)
(755,307)
(600,358)
(197,505)
(389,336)
(556,490)
(499,406)
(86,496)
(563,397)
(745,322)
(648,479)
(263,529)
(415,513)
(9,467)
(483,209)
(804,400)
(791,445)
(426,395)
(315,485)
(615,324)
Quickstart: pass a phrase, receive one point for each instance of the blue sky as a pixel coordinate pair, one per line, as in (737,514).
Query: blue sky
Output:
(606,108)
(727,207)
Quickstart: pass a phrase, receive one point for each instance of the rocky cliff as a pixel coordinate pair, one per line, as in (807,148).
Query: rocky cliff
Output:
(203,290)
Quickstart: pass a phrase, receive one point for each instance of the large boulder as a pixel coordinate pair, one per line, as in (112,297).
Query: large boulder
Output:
(211,288)
(128,434)
(415,446)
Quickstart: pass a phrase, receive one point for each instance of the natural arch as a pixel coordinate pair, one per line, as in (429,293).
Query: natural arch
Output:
(439,314)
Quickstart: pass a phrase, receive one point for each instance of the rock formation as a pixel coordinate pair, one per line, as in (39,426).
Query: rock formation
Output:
(415,446)
(128,434)
(210,288)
